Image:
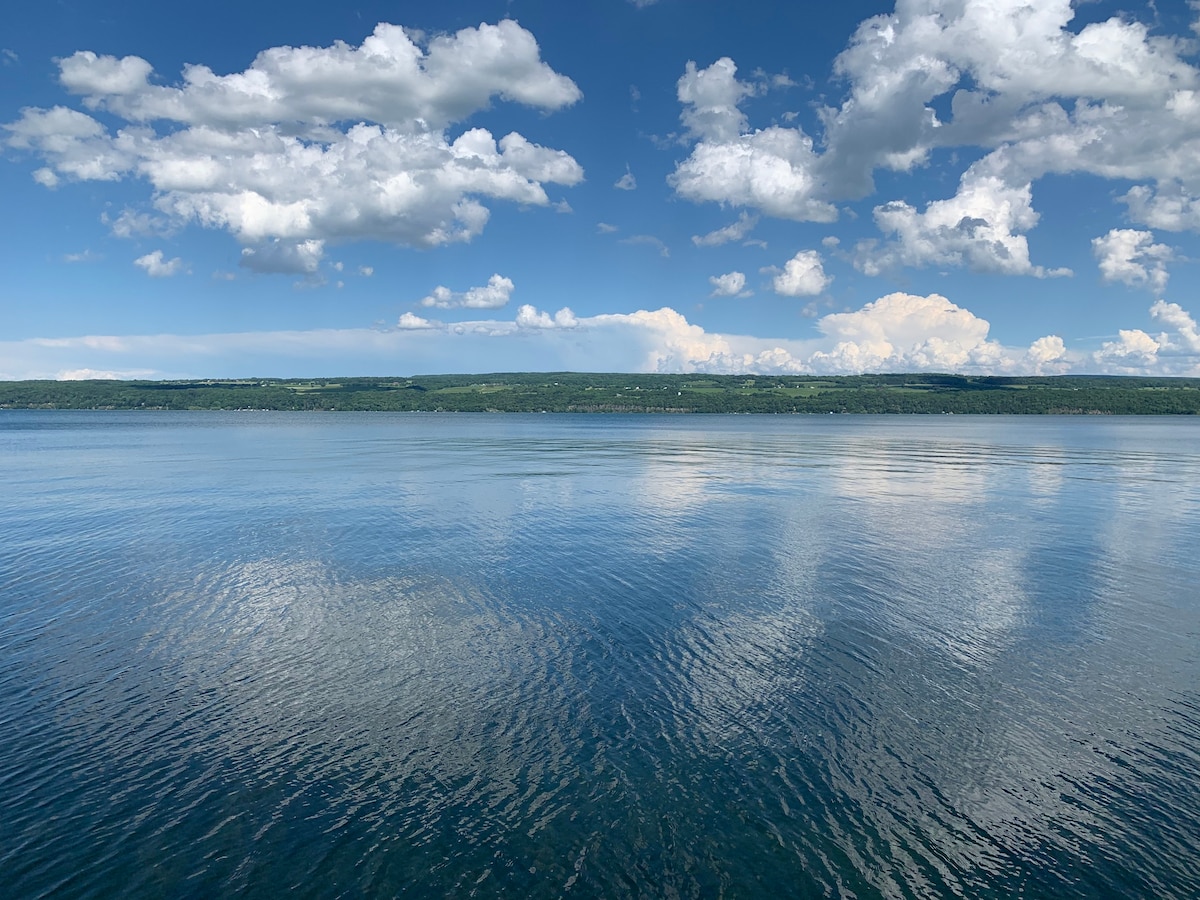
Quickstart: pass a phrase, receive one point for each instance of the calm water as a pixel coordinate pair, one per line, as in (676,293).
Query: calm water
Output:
(345,656)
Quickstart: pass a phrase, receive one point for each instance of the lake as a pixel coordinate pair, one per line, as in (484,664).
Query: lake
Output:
(350,655)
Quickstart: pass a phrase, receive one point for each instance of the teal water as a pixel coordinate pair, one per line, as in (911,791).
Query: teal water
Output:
(267,654)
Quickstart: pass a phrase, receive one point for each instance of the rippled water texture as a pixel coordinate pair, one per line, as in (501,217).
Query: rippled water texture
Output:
(345,656)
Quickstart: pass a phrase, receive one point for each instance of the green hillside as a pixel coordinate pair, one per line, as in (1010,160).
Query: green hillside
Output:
(575,392)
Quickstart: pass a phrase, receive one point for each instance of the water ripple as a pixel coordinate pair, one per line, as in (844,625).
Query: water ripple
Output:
(466,656)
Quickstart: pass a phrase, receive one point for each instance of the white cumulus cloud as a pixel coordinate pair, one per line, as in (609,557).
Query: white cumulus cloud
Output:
(711,99)
(1183,336)
(529,316)
(410,321)
(157,267)
(1048,356)
(284,257)
(394,78)
(1037,93)
(1175,351)
(492,295)
(902,332)
(731,284)
(315,144)
(803,276)
(1133,351)
(980,228)
(771,170)
(1131,257)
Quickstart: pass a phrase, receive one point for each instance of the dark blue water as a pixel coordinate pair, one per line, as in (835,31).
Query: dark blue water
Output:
(335,655)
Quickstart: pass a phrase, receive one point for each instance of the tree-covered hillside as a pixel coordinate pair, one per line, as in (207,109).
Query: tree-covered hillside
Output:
(575,392)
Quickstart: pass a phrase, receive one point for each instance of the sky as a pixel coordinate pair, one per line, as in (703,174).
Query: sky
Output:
(250,189)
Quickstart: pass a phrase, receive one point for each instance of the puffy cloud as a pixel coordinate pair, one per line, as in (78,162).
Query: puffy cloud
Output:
(1013,77)
(283,257)
(389,79)
(1048,356)
(667,341)
(731,284)
(734,232)
(980,227)
(606,228)
(1172,352)
(75,145)
(1133,350)
(1170,208)
(157,267)
(54,129)
(316,144)
(774,170)
(1132,257)
(1184,337)
(1004,64)
(492,295)
(529,317)
(105,76)
(416,190)
(895,333)
(802,276)
(771,170)
(904,332)
(409,322)
(710,98)
(366,271)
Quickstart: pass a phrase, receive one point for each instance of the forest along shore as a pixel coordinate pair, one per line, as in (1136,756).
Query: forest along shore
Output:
(609,393)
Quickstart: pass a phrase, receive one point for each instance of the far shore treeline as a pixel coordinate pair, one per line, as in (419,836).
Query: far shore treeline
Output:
(579,392)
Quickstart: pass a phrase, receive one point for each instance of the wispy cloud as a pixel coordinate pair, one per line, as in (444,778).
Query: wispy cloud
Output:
(648,240)
(86,256)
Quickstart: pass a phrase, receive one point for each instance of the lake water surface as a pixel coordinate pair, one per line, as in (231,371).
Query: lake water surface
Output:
(340,655)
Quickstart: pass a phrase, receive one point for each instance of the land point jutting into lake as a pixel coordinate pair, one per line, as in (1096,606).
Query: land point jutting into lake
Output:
(629,393)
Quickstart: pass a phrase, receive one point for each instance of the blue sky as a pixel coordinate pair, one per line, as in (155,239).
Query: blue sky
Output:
(232,190)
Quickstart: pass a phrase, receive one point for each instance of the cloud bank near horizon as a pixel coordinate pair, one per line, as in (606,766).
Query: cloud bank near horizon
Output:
(897,332)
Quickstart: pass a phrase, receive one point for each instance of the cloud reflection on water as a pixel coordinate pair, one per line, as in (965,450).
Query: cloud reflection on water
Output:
(893,650)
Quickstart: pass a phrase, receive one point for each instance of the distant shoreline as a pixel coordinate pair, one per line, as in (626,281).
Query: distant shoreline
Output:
(573,392)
